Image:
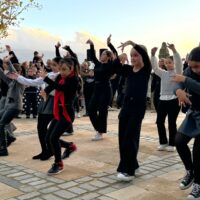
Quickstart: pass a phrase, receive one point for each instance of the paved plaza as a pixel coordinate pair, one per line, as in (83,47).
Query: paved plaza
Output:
(90,173)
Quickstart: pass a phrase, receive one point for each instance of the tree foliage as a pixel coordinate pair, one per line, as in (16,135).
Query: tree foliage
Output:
(10,11)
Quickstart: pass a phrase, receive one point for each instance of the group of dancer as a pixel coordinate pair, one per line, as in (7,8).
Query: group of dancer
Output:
(56,112)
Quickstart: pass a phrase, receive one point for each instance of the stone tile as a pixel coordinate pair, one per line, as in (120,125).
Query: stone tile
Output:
(29,180)
(98,175)
(51,197)
(55,180)
(104,198)
(77,190)
(26,189)
(68,185)
(106,190)
(37,183)
(65,194)
(108,180)
(98,184)
(84,179)
(88,187)
(19,178)
(29,195)
(43,185)
(16,174)
(90,196)
(49,190)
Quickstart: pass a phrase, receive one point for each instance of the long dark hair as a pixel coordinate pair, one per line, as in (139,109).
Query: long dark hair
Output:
(69,62)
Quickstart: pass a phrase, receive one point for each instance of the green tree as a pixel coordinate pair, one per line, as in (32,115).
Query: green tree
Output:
(10,11)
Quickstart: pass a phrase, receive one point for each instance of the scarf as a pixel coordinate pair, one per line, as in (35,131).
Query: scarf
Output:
(59,98)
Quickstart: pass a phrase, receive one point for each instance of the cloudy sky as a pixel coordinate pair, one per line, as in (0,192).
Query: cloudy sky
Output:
(73,22)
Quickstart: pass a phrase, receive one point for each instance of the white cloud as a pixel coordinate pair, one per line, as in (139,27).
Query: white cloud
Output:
(25,41)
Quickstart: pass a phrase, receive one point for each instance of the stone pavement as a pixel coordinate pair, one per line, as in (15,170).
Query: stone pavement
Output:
(90,173)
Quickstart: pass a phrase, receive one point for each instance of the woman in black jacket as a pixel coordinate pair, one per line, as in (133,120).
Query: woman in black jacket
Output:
(102,94)
(133,108)
(65,87)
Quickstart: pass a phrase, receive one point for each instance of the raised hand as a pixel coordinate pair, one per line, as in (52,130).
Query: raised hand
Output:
(8,48)
(109,39)
(66,47)
(89,42)
(171,46)
(123,45)
(153,51)
(58,45)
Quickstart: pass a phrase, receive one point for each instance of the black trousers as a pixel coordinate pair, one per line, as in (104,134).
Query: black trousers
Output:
(42,126)
(56,129)
(129,137)
(31,102)
(190,161)
(88,89)
(6,116)
(171,109)
(156,98)
(98,108)
(114,86)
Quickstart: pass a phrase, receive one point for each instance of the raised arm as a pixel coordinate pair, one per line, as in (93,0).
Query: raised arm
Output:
(141,51)
(14,58)
(72,54)
(154,62)
(112,48)
(177,59)
(57,46)
(93,55)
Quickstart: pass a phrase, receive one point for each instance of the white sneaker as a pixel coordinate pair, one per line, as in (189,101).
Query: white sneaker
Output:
(137,172)
(170,148)
(124,177)
(97,137)
(67,133)
(162,147)
(78,115)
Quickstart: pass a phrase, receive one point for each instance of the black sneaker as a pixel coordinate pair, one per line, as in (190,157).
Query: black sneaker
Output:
(4,152)
(10,140)
(46,156)
(37,157)
(195,194)
(56,168)
(72,148)
(187,180)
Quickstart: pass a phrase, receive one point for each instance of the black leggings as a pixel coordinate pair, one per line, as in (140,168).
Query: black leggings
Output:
(56,129)
(191,162)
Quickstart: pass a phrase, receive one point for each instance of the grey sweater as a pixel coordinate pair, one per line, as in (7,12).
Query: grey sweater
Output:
(167,85)
(15,90)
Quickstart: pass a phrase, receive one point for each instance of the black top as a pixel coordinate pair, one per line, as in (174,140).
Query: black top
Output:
(102,71)
(14,59)
(69,87)
(137,82)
